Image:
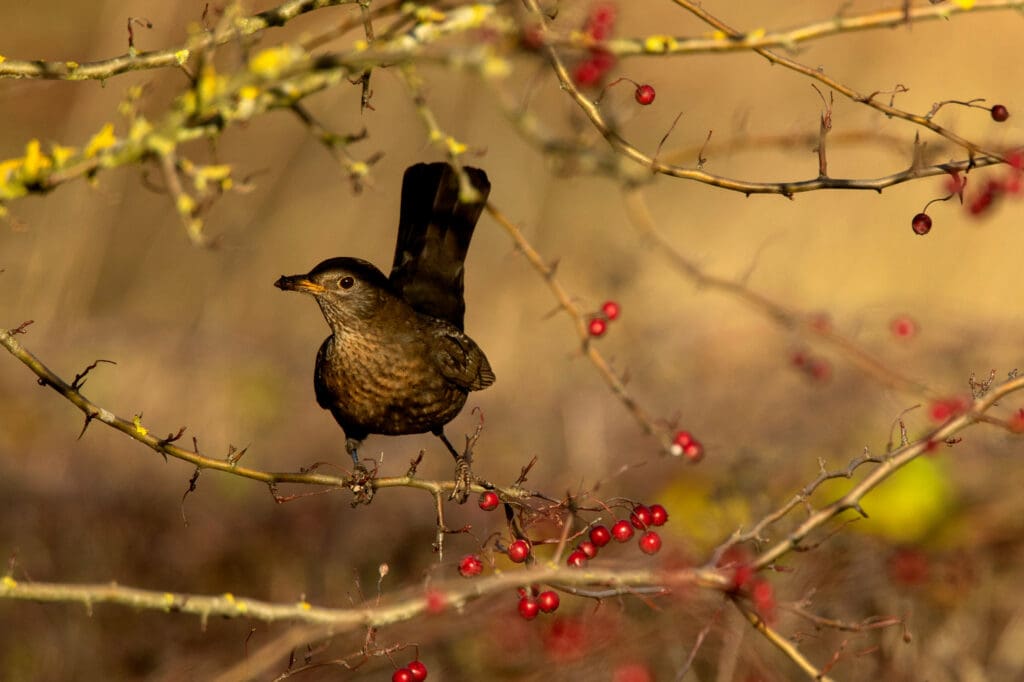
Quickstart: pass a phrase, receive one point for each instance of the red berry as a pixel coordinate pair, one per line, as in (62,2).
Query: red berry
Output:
(518,551)
(470,566)
(622,531)
(577,559)
(644,94)
(611,310)
(903,327)
(597,326)
(1000,113)
(921,223)
(588,548)
(683,438)
(418,670)
(489,500)
(659,515)
(528,608)
(587,73)
(402,675)
(641,517)
(650,542)
(600,536)
(548,601)
(694,451)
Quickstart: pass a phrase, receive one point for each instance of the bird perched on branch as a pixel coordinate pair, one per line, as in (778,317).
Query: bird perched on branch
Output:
(397,360)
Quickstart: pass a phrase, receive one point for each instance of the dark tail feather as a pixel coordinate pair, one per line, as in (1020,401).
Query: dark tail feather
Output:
(434,232)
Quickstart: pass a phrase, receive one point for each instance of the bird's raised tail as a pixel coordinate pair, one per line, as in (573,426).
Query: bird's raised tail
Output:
(434,230)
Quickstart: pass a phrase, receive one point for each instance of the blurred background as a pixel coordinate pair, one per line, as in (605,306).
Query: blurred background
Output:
(202,339)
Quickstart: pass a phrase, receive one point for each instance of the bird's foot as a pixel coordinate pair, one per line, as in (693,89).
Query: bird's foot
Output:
(463,480)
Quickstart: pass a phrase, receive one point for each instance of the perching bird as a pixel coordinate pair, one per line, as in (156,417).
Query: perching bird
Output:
(397,361)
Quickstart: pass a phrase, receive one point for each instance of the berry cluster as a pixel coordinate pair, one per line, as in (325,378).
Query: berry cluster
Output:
(1010,184)
(598,323)
(746,582)
(642,518)
(812,366)
(533,602)
(599,26)
(414,671)
(685,444)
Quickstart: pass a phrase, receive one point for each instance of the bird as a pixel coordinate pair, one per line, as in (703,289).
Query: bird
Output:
(398,360)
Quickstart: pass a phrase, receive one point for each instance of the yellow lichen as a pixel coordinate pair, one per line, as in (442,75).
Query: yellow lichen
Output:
(102,140)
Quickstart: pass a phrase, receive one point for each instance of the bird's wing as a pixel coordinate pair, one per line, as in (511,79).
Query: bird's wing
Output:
(461,361)
(434,231)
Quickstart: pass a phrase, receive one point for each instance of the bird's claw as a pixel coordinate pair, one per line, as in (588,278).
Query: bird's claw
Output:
(361,484)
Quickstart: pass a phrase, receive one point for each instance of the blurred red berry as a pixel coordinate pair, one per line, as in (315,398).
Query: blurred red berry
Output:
(641,517)
(1000,113)
(659,515)
(603,60)
(909,566)
(548,601)
(587,73)
(532,37)
(632,672)
(981,203)
(903,327)
(588,548)
(921,223)
(644,94)
(1017,421)
(402,675)
(943,409)
(600,536)
(1015,159)
(820,370)
(603,14)
(470,566)
(436,602)
(576,559)
(518,551)
(418,670)
(528,608)
(489,500)
(650,542)
(622,531)
(741,576)
(611,310)
(683,438)
(763,596)
(597,326)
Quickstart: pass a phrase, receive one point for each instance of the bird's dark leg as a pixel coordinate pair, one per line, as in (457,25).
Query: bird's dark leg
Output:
(351,447)
(463,472)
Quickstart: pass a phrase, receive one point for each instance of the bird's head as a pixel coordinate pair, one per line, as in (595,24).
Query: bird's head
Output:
(349,290)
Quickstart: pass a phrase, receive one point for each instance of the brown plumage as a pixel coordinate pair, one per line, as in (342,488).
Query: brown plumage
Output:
(397,361)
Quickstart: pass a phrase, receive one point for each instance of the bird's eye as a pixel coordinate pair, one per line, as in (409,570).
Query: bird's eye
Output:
(346,282)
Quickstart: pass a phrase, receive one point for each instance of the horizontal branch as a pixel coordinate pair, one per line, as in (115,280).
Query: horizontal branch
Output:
(171,57)
(135,430)
(450,595)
